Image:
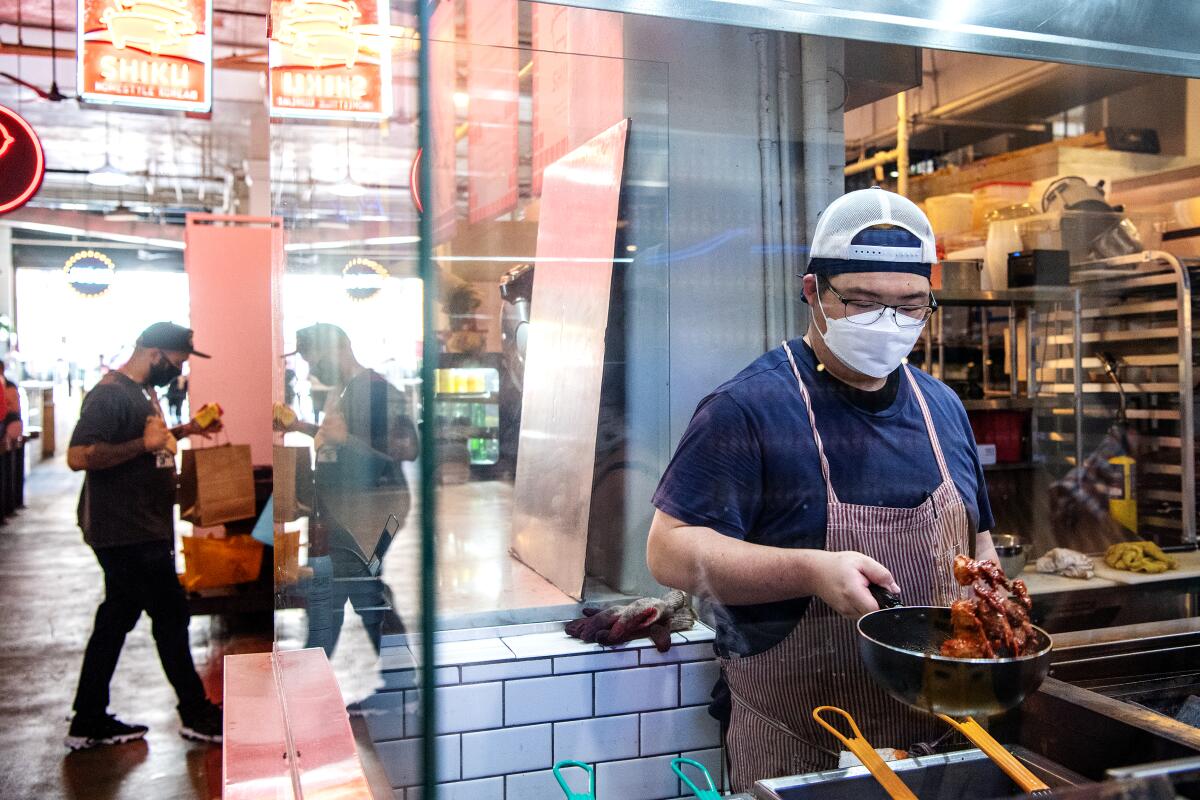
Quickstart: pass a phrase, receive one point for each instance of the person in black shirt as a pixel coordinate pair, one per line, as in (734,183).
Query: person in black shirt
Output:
(126,512)
(364,437)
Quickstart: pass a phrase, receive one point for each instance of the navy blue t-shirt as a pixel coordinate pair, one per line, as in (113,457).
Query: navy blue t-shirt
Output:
(747,467)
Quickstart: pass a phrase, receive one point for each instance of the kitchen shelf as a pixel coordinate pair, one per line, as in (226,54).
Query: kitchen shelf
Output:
(489,396)
(1007,297)
(1000,404)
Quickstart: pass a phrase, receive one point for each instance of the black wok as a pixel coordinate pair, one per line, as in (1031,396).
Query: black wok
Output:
(901,649)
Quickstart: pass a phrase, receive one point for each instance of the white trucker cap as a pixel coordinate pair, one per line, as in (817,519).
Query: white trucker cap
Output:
(846,239)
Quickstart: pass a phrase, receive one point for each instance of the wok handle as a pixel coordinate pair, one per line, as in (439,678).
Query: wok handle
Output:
(888,779)
(1005,760)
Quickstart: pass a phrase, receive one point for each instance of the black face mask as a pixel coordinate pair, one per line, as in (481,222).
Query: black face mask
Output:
(324,371)
(163,372)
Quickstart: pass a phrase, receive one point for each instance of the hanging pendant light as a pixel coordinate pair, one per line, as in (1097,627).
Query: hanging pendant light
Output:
(107,175)
(347,186)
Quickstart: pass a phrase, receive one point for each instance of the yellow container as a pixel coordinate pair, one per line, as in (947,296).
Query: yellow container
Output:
(212,563)
(1123,505)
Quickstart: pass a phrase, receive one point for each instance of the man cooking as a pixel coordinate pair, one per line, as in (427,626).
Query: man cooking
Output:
(824,466)
(127,513)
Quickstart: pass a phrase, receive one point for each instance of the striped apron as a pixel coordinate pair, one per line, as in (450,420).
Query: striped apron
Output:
(771,732)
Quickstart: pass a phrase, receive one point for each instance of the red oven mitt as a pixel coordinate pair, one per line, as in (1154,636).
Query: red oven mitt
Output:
(647,617)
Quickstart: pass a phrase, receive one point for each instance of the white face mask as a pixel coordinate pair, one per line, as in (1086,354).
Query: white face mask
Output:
(875,349)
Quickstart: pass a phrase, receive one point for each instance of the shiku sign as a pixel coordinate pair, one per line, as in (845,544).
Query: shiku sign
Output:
(330,59)
(147,53)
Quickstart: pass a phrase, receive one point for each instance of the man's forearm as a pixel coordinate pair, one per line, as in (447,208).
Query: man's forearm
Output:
(705,563)
(103,455)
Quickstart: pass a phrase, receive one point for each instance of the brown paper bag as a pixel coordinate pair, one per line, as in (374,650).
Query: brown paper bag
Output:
(216,485)
(293,482)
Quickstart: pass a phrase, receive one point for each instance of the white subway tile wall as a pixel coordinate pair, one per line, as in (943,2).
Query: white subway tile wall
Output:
(644,689)
(510,706)
(679,729)
(506,750)
(547,699)
(597,662)
(696,682)
(636,779)
(597,739)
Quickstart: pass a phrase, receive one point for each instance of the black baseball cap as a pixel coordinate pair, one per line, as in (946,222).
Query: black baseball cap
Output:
(169,336)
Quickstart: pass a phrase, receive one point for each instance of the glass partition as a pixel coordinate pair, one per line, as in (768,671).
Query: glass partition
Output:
(546,312)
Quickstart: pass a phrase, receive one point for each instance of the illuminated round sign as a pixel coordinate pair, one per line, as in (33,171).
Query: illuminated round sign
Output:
(90,272)
(22,162)
(362,278)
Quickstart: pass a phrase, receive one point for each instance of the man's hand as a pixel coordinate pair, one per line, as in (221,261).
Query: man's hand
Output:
(841,580)
(333,430)
(193,428)
(154,436)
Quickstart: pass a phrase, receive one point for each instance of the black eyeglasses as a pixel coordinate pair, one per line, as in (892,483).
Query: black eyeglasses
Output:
(867,312)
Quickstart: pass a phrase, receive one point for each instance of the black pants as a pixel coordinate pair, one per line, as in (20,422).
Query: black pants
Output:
(137,578)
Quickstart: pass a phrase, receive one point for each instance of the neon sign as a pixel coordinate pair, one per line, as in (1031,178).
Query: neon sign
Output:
(328,59)
(147,53)
(22,162)
(363,278)
(90,272)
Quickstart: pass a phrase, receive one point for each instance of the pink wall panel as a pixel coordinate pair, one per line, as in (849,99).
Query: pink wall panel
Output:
(234,265)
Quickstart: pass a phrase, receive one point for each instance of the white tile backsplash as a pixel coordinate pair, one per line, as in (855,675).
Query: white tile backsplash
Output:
(597,739)
(402,760)
(471,652)
(643,689)
(696,681)
(700,633)
(541,785)
(499,752)
(714,760)
(505,670)
(678,652)
(679,729)
(509,706)
(637,779)
(469,707)
(547,699)
(596,662)
(486,789)
(538,645)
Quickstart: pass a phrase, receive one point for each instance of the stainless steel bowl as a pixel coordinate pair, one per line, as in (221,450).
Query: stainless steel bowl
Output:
(1012,554)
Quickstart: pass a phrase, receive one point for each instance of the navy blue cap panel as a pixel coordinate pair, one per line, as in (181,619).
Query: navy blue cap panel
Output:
(887,237)
(839,266)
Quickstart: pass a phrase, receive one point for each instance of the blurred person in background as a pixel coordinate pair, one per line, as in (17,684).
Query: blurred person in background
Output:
(362,442)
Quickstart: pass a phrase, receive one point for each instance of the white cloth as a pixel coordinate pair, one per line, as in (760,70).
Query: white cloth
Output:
(1066,562)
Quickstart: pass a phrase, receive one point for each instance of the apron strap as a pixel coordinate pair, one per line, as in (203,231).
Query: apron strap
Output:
(933,437)
(812,423)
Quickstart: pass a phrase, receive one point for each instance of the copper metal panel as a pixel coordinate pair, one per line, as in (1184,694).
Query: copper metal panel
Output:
(565,358)
(287,734)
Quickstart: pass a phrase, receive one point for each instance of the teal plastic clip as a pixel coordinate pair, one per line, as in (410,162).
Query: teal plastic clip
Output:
(573,795)
(710,793)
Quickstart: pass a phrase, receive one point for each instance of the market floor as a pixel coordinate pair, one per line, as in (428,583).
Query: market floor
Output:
(51,586)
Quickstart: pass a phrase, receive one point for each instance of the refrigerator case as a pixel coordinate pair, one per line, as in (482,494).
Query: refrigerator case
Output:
(468,415)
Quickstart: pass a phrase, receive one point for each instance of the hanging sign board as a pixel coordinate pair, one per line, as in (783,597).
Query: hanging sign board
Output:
(146,53)
(90,272)
(492,86)
(22,162)
(327,60)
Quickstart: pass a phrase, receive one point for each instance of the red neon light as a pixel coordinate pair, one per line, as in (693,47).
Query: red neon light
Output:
(39,164)
(5,140)
(414,181)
